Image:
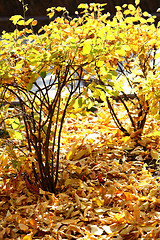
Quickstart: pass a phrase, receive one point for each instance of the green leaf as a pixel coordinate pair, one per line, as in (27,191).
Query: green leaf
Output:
(29,86)
(80,102)
(43,75)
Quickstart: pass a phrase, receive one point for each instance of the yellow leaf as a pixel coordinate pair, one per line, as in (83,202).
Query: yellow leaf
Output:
(81,153)
(107,65)
(124,5)
(83,5)
(18,135)
(100,63)
(157,55)
(16,18)
(27,237)
(121,52)
(86,48)
(59,9)
(131,7)
(110,36)
(75,168)
(72,151)
(21,22)
(118,8)
(154,154)
(126,47)
(137,2)
(119,216)
(97,201)
(29,21)
(3,159)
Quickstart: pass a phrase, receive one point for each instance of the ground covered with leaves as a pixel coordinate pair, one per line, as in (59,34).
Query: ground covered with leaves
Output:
(108,187)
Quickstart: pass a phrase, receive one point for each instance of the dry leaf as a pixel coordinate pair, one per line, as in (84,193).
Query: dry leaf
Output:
(154,154)
(23,227)
(136,212)
(96,230)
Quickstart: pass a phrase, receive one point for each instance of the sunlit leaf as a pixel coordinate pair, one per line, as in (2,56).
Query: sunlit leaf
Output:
(30,20)
(121,52)
(83,5)
(96,230)
(23,227)
(137,2)
(15,19)
(131,7)
(18,135)
(27,237)
(100,63)
(86,47)
(154,154)
(136,212)
(21,22)
(157,55)
(34,22)
(107,229)
(15,124)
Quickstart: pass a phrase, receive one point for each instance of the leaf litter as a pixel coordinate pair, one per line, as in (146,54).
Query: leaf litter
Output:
(106,190)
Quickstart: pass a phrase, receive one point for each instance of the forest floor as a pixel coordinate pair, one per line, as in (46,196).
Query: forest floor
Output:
(109,188)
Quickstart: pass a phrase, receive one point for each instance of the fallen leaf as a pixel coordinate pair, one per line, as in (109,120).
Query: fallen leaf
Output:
(136,212)
(23,227)
(96,230)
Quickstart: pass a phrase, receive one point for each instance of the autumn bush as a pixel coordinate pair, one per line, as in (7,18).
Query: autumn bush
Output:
(110,55)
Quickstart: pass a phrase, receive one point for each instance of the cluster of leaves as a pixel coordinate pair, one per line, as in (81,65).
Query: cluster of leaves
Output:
(92,48)
(100,197)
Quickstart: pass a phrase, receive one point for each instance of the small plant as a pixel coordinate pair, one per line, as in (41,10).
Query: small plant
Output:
(92,48)
(68,49)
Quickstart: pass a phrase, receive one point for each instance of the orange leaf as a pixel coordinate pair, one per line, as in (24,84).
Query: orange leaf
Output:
(27,237)
(135,134)
(23,227)
(136,212)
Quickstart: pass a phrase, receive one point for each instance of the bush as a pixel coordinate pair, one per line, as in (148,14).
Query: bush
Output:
(107,54)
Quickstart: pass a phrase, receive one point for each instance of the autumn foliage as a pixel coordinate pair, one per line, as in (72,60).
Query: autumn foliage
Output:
(52,143)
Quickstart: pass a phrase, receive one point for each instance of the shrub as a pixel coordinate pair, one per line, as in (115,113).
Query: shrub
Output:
(92,48)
